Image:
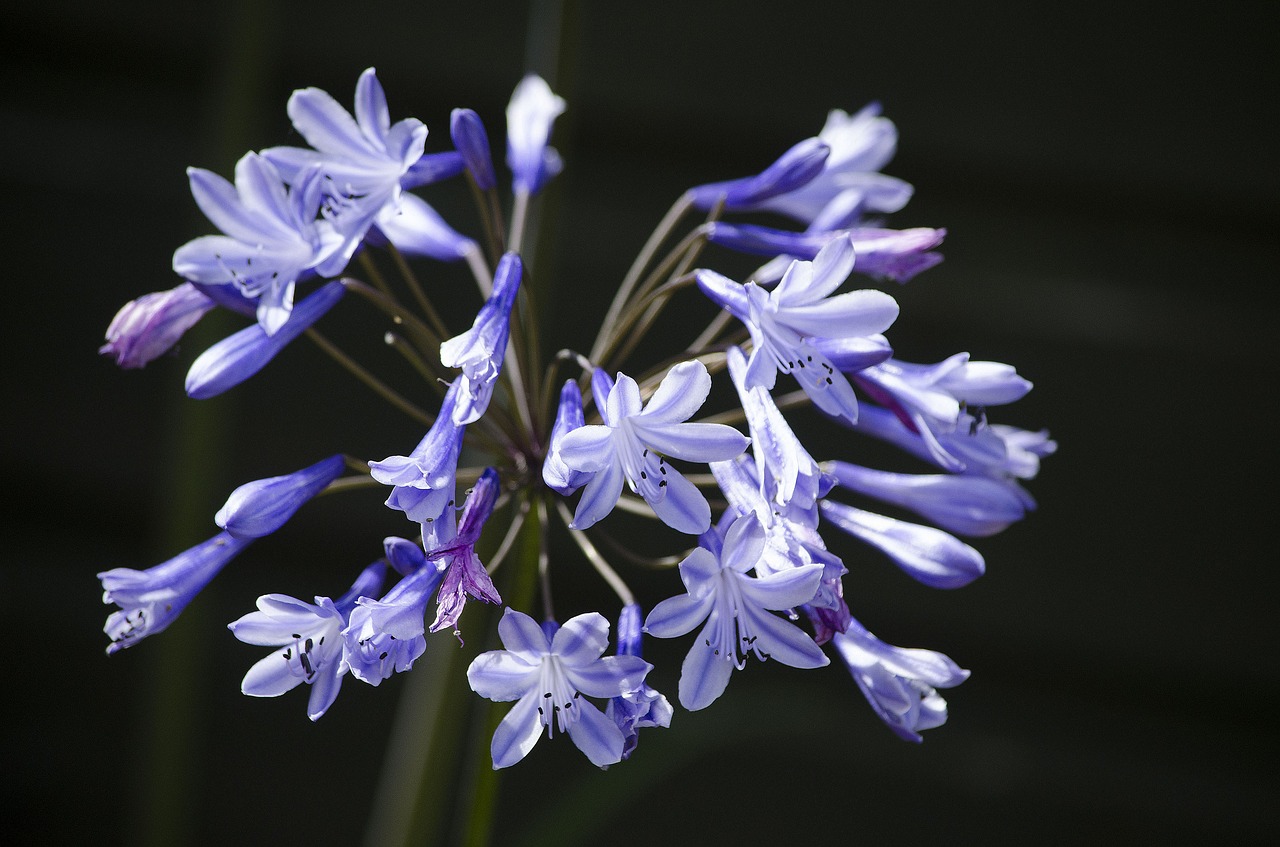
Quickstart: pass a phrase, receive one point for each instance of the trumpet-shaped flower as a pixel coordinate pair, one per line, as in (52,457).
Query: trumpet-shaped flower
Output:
(734,607)
(850,184)
(146,328)
(424,480)
(150,600)
(530,114)
(479,350)
(547,670)
(644,706)
(783,322)
(387,635)
(311,636)
(272,238)
(629,443)
(900,684)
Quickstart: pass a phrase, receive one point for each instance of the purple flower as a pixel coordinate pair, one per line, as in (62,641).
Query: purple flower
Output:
(900,684)
(145,329)
(793,169)
(465,573)
(424,480)
(927,555)
(237,357)
(783,321)
(895,254)
(642,707)
(629,443)
(964,504)
(387,635)
(260,508)
(850,184)
(735,608)
(467,131)
(479,350)
(558,476)
(530,114)
(547,670)
(311,636)
(272,238)
(150,600)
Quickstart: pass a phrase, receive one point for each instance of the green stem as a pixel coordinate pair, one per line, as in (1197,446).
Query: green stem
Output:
(359,372)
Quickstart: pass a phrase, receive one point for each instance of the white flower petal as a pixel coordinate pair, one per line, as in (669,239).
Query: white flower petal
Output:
(704,674)
(581,640)
(521,635)
(501,675)
(517,733)
(683,507)
(600,495)
(588,448)
(693,442)
(678,615)
(596,736)
(783,641)
(682,392)
(270,677)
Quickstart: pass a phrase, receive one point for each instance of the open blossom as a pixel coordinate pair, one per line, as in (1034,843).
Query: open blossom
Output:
(900,684)
(783,322)
(361,160)
(547,670)
(735,607)
(423,481)
(150,600)
(310,636)
(272,238)
(630,444)
(479,350)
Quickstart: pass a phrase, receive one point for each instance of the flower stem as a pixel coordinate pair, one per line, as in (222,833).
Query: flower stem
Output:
(664,228)
(359,372)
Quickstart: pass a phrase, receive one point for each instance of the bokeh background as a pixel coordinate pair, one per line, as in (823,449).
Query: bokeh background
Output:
(1107,176)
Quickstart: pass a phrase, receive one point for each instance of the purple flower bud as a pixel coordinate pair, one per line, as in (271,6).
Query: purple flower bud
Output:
(927,555)
(793,169)
(472,142)
(968,505)
(237,357)
(144,329)
(558,476)
(404,555)
(530,114)
(150,600)
(260,508)
(881,253)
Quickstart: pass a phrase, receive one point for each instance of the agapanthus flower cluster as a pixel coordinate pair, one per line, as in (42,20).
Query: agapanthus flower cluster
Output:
(518,439)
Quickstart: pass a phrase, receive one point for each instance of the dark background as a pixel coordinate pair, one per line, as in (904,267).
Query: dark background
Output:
(1108,180)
